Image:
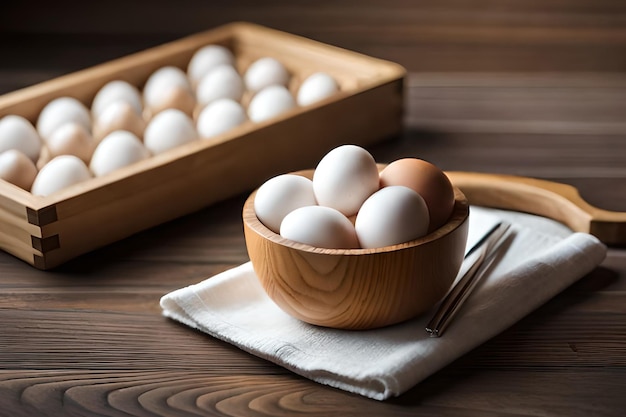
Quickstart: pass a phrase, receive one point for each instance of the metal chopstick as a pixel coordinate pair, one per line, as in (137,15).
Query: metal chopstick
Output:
(452,302)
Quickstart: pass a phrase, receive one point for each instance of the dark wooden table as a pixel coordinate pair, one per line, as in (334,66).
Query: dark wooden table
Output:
(89,338)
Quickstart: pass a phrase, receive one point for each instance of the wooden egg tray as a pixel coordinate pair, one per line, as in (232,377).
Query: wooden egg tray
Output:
(47,231)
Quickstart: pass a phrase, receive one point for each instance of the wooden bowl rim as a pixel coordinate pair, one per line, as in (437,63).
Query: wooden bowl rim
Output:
(459,215)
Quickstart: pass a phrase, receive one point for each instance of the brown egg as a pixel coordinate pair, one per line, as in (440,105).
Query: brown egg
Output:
(17,168)
(70,139)
(174,98)
(428,181)
(118,115)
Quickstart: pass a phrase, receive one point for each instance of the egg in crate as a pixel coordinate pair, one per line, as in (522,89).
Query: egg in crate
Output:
(70,139)
(18,133)
(118,115)
(17,168)
(117,150)
(316,87)
(207,58)
(59,111)
(168,87)
(270,102)
(264,72)
(222,81)
(219,117)
(61,172)
(169,129)
(116,91)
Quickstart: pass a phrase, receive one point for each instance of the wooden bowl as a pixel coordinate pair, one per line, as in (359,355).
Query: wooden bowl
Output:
(357,288)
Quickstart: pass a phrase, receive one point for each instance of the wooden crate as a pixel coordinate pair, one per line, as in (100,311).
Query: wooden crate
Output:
(47,231)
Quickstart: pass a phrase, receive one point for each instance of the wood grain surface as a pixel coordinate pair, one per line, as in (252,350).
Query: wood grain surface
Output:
(449,35)
(516,87)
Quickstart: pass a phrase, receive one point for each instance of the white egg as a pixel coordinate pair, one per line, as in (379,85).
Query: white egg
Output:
(219,117)
(118,149)
(160,83)
(319,226)
(168,129)
(17,168)
(60,173)
(222,81)
(392,215)
(270,102)
(71,139)
(315,88)
(118,115)
(60,111)
(265,72)
(113,91)
(18,133)
(279,196)
(345,177)
(207,58)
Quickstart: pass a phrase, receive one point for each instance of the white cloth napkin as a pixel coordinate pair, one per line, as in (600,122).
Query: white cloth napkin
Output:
(543,258)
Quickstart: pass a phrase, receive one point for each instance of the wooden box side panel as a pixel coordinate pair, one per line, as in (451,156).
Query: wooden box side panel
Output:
(17,236)
(17,230)
(16,201)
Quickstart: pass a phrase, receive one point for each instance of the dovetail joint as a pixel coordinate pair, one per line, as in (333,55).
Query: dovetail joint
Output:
(46,244)
(41,217)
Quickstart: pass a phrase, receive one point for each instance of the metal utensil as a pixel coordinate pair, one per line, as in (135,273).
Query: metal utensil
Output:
(483,253)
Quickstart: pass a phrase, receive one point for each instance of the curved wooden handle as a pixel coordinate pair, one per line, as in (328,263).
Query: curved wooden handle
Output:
(550,199)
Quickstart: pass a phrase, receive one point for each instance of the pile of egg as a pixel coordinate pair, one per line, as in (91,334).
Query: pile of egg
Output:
(71,143)
(350,204)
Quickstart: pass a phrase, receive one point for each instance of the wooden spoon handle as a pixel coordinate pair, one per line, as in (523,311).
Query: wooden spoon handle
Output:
(550,199)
